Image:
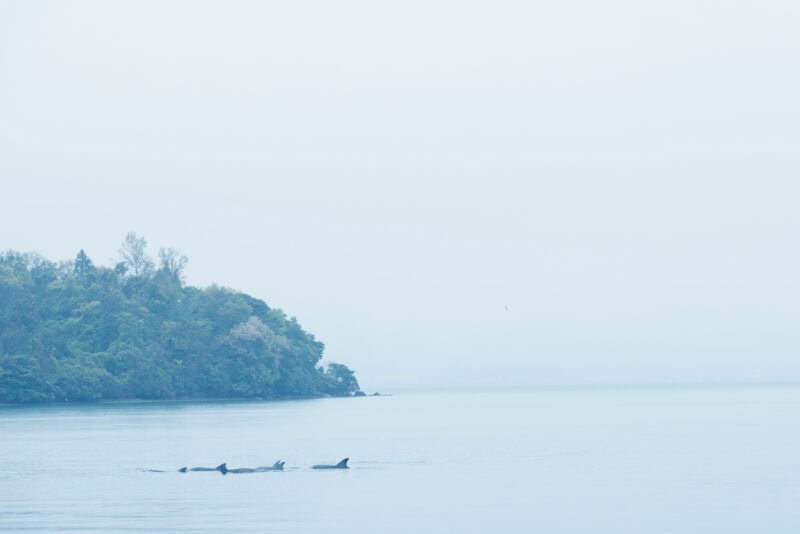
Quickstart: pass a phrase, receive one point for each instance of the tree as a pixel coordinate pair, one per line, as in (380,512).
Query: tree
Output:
(172,262)
(342,381)
(83,265)
(134,256)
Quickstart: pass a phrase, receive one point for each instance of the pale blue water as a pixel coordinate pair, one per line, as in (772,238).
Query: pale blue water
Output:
(555,461)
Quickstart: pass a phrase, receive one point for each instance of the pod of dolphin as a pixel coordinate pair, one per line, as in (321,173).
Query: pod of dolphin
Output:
(277,466)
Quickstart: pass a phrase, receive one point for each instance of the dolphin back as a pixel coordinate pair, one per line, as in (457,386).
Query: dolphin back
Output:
(340,465)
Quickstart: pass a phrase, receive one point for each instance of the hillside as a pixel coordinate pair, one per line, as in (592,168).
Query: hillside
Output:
(73,331)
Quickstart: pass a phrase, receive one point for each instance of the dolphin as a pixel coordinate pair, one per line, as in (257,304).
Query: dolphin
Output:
(222,468)
(236,471)
(277,466)
(340,465)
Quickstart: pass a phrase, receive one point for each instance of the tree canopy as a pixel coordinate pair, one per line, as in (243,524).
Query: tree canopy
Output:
(73,331)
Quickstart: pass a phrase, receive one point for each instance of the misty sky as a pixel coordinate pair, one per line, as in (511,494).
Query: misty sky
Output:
(467,193)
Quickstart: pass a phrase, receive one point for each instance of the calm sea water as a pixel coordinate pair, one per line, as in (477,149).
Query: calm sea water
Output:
(568,460)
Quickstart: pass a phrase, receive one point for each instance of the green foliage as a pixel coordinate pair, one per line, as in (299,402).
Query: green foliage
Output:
(341,380)
(79,332)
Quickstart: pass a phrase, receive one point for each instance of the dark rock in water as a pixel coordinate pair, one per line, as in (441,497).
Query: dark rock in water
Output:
(359,393)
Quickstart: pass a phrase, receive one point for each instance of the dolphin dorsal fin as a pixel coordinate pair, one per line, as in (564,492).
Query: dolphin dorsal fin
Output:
(277,465)
(342,464)
(222,468)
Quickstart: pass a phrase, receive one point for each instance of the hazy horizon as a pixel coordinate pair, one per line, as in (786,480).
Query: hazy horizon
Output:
(456,194)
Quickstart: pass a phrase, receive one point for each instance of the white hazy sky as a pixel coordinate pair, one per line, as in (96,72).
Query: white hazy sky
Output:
(468,193)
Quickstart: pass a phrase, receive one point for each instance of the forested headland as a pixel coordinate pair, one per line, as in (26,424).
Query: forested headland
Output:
(76,331)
